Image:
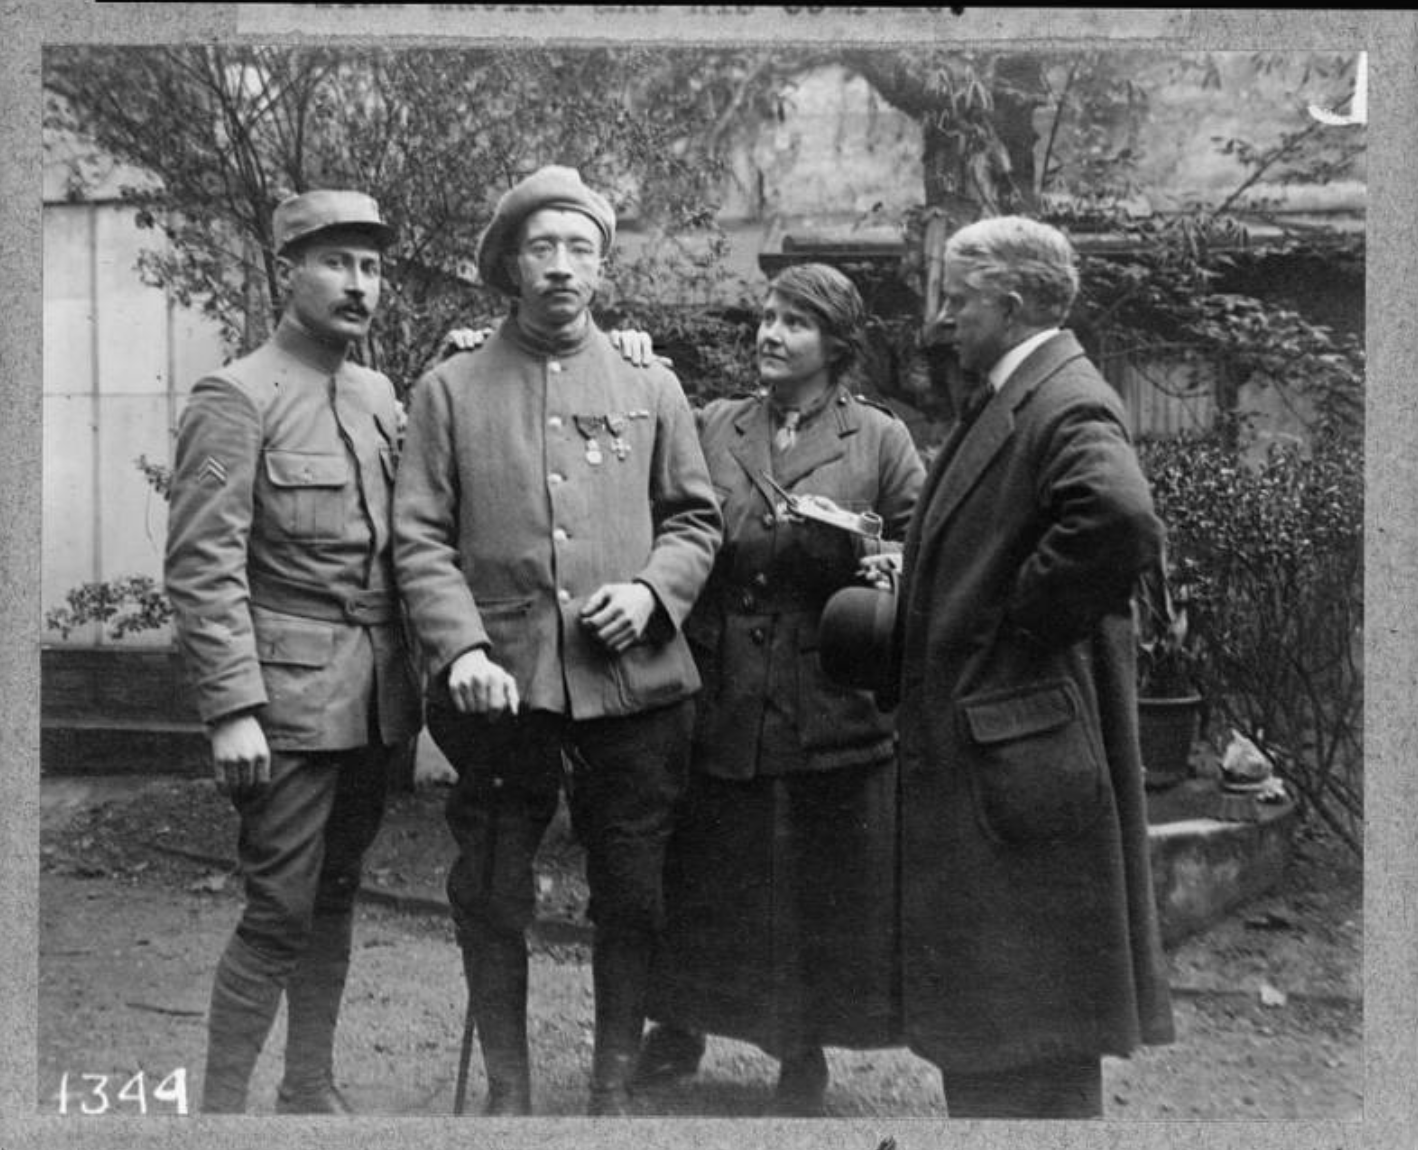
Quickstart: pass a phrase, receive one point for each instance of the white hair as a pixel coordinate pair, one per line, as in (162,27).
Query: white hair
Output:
(1017,254)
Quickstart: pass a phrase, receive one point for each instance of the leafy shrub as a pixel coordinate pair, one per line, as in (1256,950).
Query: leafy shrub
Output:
(1271,556)
(1167,654)
(128,605)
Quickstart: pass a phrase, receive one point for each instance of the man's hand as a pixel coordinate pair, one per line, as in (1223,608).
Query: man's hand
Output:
(635,347)
(241,760)
(463,339)
(478,686)
(883,570)
(618,613)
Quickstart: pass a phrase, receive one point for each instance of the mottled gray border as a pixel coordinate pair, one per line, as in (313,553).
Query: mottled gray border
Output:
(1391,880)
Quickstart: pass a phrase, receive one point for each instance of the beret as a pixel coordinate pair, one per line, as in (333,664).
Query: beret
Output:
(549,187)
(316,211)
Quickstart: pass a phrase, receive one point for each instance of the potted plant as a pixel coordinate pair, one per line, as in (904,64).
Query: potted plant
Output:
(1169,703)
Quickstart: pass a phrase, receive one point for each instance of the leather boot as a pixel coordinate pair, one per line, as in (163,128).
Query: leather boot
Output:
(496,970)
(245,996)
(620,967)
(313,995)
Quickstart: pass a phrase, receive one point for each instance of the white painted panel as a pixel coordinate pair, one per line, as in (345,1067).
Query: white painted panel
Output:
(68,348)
(197,349)
(67,530)
(132,317)
(132,516)
(67,236)
(68,304)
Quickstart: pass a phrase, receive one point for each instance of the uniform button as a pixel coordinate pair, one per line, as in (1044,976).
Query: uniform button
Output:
(563,596)
(747,601)
(559,535)
(555,477)
(553,366)
(758,635)
(554,422)
(760,580)
(769,519)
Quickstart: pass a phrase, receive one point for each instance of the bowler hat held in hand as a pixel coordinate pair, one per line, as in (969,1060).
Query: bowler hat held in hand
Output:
(854,635)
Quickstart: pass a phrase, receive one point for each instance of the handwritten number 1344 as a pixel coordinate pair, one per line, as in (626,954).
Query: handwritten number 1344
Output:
(90,1094)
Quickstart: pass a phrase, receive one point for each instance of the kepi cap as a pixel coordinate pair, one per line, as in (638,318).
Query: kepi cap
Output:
(301,216)
(549,187)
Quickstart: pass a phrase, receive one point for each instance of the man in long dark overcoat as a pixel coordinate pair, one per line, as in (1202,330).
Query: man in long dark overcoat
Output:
(1030,945)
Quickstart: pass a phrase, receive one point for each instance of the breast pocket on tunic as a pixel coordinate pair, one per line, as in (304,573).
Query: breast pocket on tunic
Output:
(1037,771)
(305,494)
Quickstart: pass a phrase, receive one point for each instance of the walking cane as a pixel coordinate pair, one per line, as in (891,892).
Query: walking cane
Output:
(465,1052)
(465,1055)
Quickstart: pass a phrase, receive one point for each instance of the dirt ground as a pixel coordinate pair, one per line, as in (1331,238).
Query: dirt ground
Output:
(137,899)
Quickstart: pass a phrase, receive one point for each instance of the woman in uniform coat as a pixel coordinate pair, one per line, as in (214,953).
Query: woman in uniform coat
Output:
(782,868)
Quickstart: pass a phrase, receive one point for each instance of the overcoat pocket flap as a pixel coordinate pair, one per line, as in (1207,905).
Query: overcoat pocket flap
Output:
(502,608)
(1018,713)
(306,469)
(294,642)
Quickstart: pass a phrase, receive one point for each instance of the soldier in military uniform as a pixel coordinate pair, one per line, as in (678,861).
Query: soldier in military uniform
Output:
(280,573)
(554,521)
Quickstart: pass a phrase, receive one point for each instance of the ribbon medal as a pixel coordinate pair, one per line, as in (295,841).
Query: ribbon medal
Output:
(589,426)
(616,425)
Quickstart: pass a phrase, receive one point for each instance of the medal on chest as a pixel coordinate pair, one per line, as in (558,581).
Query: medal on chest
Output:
(615,424)
(590,426)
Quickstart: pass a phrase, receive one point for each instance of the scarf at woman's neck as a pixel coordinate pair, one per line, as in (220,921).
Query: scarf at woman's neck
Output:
(789,419)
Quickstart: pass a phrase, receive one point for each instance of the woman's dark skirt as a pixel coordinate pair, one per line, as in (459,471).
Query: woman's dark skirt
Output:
(781,901)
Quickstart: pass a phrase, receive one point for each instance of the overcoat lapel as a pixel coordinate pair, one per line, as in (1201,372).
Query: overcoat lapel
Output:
(964,461)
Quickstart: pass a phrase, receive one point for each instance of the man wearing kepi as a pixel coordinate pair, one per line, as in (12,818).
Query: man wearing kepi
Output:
(1029,936)
(280,572)
(554,523)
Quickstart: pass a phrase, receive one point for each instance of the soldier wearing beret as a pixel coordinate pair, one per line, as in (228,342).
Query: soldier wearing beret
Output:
(280,573)
(554,522)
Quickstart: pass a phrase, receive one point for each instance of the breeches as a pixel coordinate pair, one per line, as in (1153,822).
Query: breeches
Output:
(302,842)
(622,775)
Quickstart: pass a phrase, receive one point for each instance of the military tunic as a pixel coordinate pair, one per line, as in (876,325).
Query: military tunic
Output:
(534,474)
(278,555)
(280,576)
